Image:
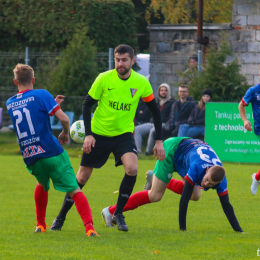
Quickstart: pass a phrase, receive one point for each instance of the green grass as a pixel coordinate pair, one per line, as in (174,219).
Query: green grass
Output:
(151,227)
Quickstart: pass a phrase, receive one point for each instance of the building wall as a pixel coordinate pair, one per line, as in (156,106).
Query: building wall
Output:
(246,23)
(171,45)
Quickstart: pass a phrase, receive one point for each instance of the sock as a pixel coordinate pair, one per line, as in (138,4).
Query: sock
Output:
(125,191)
(84,210)
(176,186)
(67,204)
(257,176)
(138,199)
(41,201)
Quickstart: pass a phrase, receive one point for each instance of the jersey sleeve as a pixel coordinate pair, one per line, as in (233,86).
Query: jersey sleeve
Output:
(222,187)
(48,102)
(97,88)
(192,175)
(247,97)
(147,95)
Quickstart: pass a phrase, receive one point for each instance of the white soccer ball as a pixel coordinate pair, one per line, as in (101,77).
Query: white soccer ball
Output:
(77,131)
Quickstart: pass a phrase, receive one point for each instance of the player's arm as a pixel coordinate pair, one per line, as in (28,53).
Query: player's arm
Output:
(242,112)
(185,198)
(229,211)
(89,139)
(154,108)
(65,122)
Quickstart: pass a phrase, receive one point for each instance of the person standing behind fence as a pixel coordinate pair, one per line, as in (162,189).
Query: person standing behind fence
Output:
(165,101)
(196,121)
(180,112)
(44,157)
(192,71)
(252,96)
(117,92)
(143,114)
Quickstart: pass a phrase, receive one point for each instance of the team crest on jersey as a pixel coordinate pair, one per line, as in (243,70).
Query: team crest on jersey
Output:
(19,95)
(133,91)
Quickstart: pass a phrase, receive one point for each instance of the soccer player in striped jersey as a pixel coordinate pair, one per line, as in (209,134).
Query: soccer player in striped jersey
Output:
(200,168)
(117,92)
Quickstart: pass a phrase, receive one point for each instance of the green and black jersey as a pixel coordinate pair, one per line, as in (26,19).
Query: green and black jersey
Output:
(118,101)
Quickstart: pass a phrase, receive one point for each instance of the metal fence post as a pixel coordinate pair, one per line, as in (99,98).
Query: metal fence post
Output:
(199,61)
(27,56)
(111,59)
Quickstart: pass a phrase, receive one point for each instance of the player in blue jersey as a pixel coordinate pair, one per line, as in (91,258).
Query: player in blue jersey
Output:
(30,111)
(252,96)
(198,165)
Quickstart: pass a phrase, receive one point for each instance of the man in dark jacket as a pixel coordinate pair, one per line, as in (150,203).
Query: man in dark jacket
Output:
(143,113)
(180,112)
(165,102)
(196,122)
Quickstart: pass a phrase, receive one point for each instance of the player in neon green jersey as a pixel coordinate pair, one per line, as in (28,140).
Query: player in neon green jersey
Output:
(111,130)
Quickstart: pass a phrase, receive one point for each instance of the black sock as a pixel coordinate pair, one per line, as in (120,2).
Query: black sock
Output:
(67,204)
(125,191)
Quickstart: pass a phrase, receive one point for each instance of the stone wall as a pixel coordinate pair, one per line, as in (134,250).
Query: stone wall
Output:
(246,44)
(171,45)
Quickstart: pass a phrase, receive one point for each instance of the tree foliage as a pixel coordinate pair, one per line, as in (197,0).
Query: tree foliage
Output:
(224,79)
(76,71)
(49,25)
(185,11)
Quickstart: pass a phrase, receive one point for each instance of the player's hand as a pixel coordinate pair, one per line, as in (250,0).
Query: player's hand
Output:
(88,143)
(63,138)
(248,125)
(59,99)
(159,150)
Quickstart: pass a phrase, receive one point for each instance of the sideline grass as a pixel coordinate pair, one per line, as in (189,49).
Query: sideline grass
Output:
(151,227)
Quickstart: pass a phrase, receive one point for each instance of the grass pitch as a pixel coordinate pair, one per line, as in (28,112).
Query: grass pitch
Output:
(153,229)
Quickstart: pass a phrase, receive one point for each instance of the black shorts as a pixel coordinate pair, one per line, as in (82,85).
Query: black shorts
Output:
(118,145)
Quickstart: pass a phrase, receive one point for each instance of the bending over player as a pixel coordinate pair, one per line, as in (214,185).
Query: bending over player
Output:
(200,167)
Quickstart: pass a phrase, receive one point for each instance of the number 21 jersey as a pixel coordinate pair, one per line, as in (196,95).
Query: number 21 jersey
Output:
(30,111)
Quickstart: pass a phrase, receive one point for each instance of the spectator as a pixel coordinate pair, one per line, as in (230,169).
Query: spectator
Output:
(165,102)
(196,120)
(180,112)
(143,113)
(192,71)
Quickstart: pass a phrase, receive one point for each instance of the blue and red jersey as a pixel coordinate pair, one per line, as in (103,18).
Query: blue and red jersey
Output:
(253,96)
(30,111)
(191,160)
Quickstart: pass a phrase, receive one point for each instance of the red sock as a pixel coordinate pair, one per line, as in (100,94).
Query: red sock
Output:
(257,176)
(84,210)
(176,186)
(138,199)
(41,201)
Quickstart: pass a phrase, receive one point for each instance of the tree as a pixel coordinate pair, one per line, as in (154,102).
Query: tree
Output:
(49,25)
(76,71)
(224,79)
(185,11)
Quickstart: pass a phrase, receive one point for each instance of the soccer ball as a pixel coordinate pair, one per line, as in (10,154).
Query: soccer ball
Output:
(77,131)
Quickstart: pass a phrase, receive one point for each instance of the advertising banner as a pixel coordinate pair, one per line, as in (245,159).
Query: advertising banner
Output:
(226,134)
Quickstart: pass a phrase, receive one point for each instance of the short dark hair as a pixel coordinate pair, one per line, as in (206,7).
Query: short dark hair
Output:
(217,173)
(123,48)
(194,57)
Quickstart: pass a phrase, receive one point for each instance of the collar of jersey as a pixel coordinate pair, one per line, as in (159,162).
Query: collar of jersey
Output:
(23,91)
